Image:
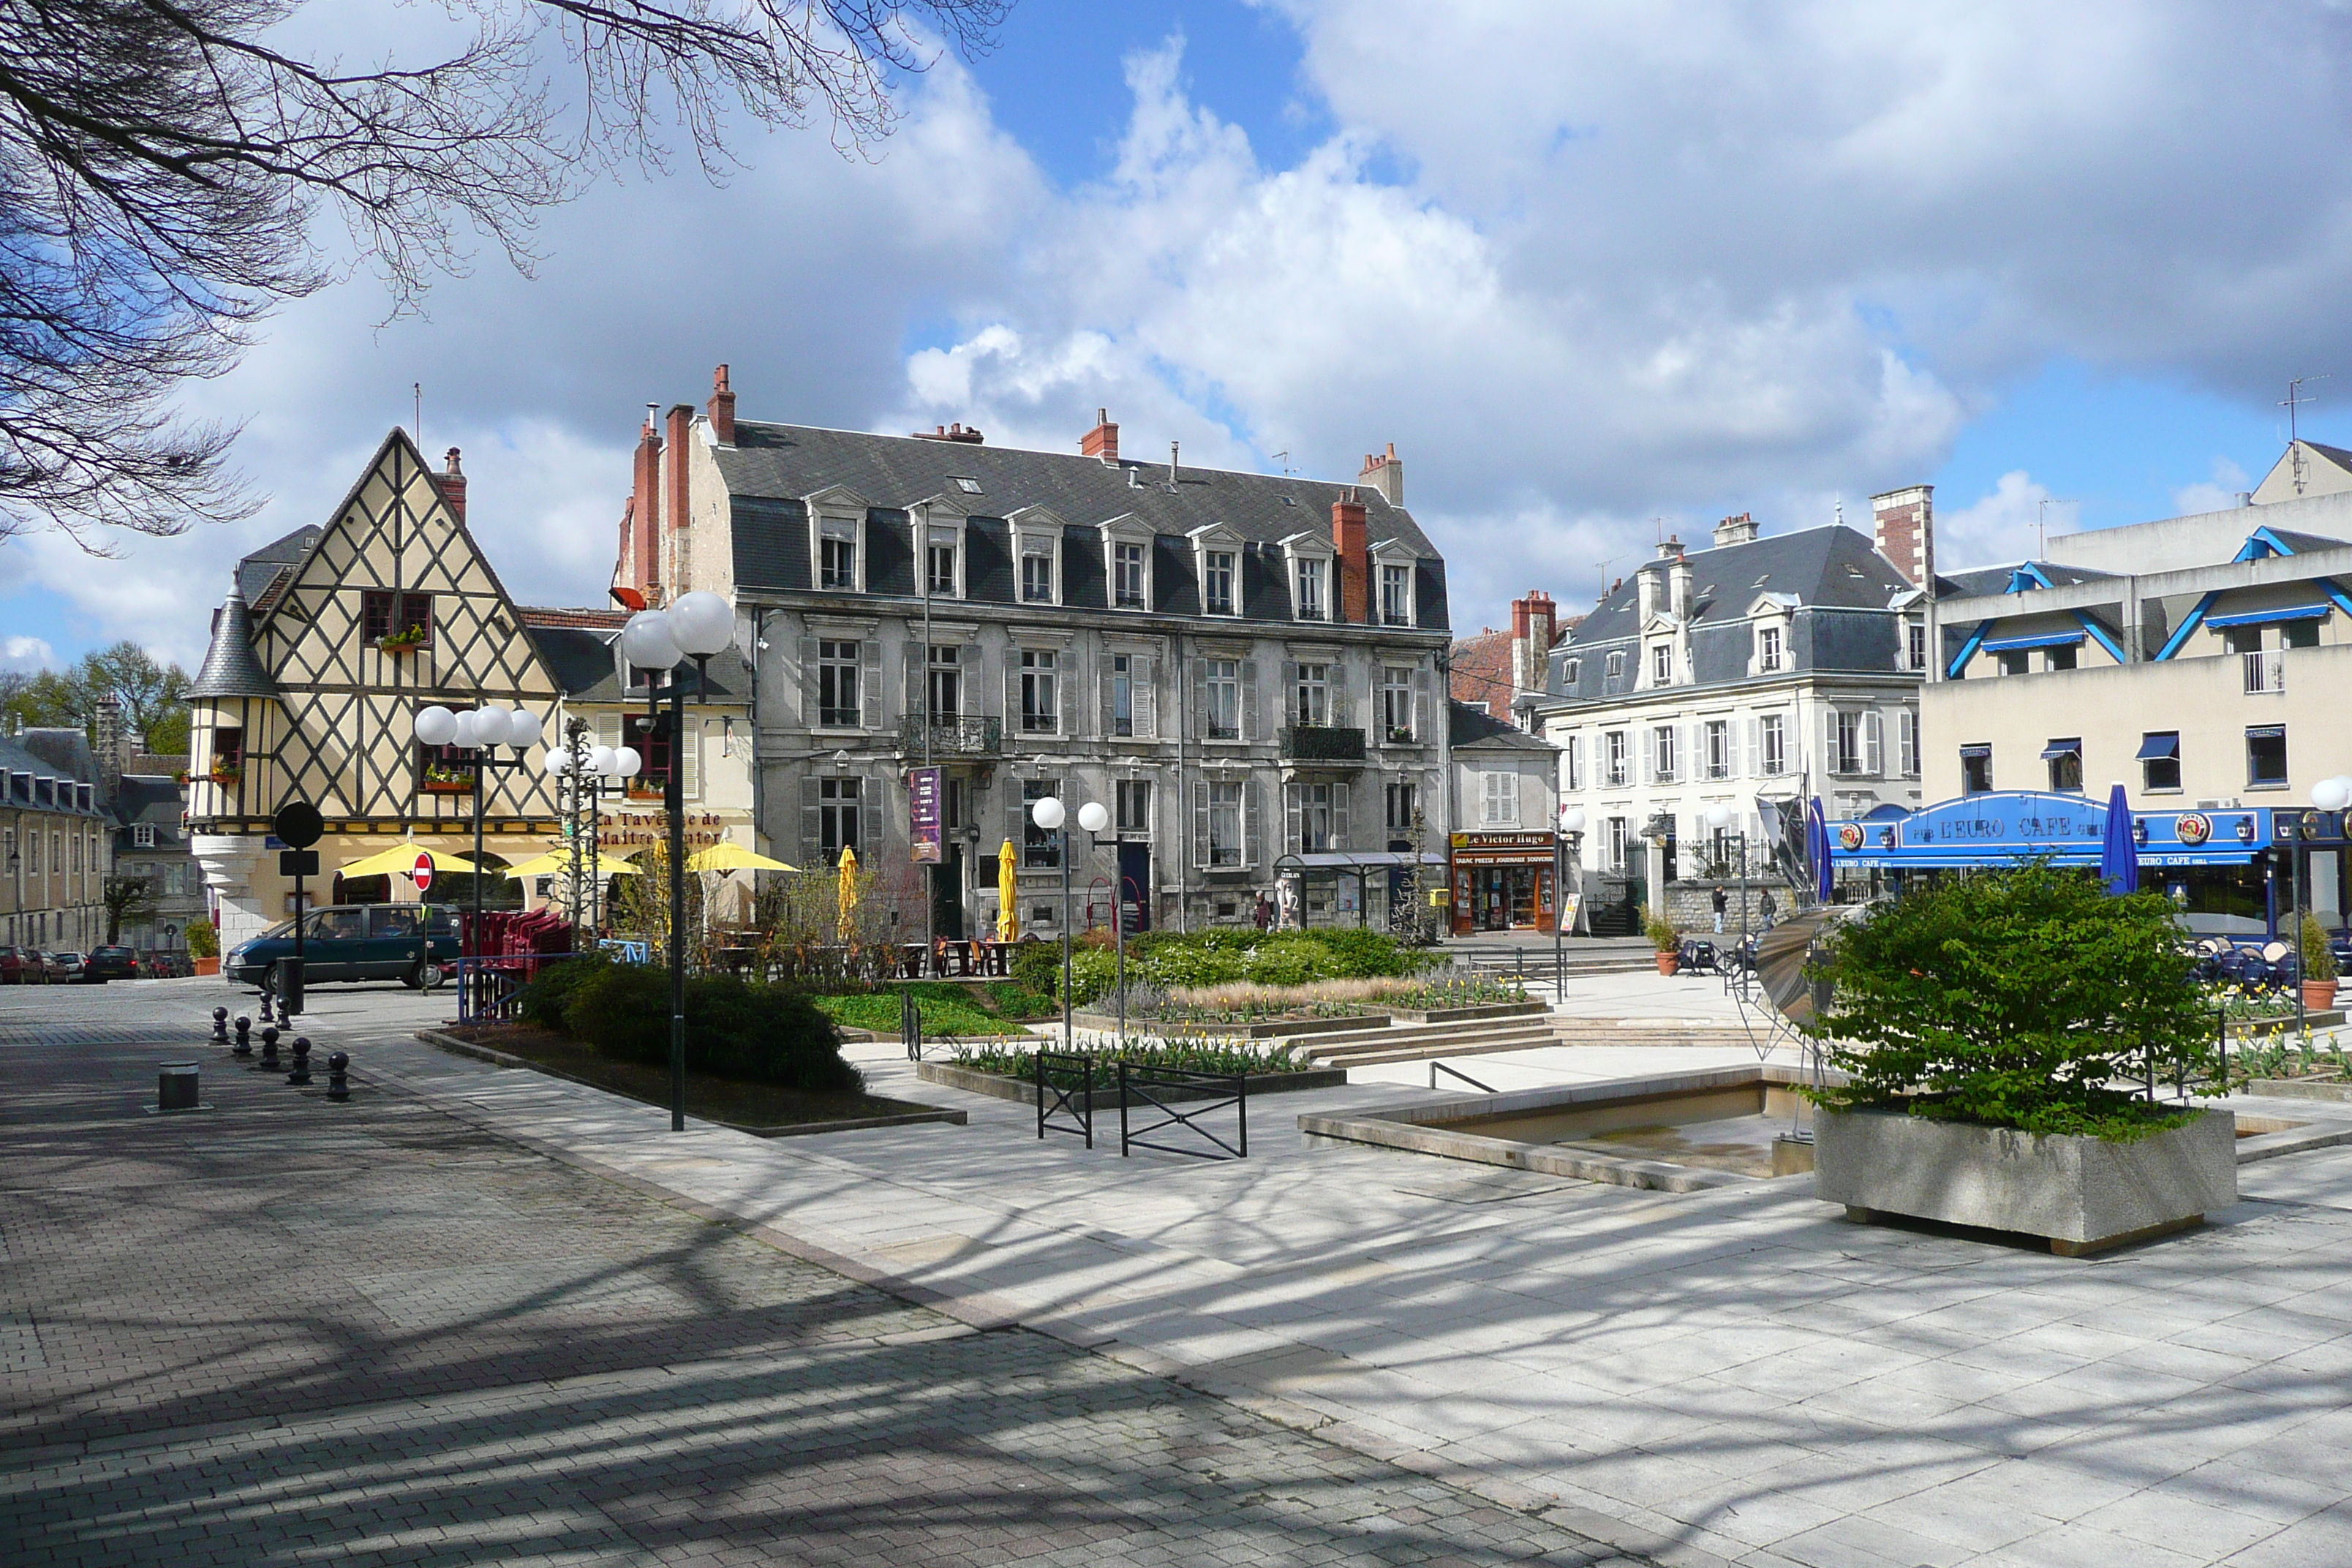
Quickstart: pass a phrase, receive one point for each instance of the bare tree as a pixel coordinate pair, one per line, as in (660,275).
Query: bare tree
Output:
(162,162)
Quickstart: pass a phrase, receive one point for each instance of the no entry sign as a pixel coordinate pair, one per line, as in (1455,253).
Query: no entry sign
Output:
(424,872)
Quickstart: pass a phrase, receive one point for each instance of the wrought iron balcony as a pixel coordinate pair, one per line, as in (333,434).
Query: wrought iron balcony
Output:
(1322,743)
(952,738)
(2266,672)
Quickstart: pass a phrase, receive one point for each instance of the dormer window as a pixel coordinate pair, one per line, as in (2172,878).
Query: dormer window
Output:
(1312,579)
(1767,649)
(1126,569)
(836,559)
(970,486)
(1036,576)
(1662,665)
(1037,545)
(1570,670)
(1218,570)
(1616,668)
(1396,594)
(943,566)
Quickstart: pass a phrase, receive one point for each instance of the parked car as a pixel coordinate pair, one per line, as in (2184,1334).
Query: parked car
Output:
(415,943)
(107,963)
(67,967)
(21,966)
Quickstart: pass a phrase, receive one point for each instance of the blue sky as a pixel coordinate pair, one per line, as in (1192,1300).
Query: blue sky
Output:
(1586,265)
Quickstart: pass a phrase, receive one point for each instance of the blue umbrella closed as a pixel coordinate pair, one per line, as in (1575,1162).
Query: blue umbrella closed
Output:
(2119,854)
(1817,847)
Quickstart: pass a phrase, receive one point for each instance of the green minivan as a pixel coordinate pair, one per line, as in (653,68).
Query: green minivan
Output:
(415,943)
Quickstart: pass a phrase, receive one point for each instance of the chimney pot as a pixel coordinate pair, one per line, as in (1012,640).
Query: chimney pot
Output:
(1385,473)
(722,407)
(452,483)
(1902,529)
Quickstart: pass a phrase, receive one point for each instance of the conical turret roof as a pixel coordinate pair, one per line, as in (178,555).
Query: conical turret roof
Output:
(231,669)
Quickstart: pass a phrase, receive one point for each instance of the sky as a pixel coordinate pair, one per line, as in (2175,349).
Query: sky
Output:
(1597,272)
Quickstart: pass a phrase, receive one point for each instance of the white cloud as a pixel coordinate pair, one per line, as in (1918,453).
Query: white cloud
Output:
(2007,525)
(27,654)
(2220,494)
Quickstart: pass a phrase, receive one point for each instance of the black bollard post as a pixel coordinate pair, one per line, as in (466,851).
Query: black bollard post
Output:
(268,1015)
(244,1031)
(220,1025)
(338,1086)
(302,1073)
(269,1062)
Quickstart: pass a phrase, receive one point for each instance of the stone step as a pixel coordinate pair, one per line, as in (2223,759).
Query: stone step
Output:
(1393,1033)
(1425,1047)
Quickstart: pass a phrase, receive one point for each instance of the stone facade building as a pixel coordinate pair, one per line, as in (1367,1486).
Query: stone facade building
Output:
(1754,674)
(1504,809)
(55,851)
(1238,665)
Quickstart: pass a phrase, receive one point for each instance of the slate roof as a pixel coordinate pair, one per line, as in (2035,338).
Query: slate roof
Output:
(580,660)
(156,802)
(1471,726)
(1996,579)
(17,758)
(772,469)
(1832,566)
(2299,542)
(231,669)
(257,573)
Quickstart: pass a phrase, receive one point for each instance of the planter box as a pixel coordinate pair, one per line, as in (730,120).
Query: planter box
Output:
(206,965)
(1025,1090)
(1261,1029)
(2082,1195)
(1467,1015)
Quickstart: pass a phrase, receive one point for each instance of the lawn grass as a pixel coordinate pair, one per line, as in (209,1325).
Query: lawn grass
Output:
(947,1009)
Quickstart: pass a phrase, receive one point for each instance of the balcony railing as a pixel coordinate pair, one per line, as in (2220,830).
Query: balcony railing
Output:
(1322,743)
(974,737)
(2266,672)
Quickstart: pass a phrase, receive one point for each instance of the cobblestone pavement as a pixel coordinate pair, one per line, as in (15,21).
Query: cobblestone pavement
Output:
(281,1330)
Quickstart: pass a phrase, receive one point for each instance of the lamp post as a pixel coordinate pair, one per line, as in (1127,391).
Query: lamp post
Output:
(588,772)
(1094,818)
(1567,856)
(481,731)
(695,625)
(1048,815)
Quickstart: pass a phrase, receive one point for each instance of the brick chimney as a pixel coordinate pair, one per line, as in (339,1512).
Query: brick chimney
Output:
(1350,539)
(1102,441)
(968,435)
(112,745)
(644,563)
(1385,473)
(674,510)
(1903,527)
(1740,529)
(722,407)
(452,480)
(1534,622)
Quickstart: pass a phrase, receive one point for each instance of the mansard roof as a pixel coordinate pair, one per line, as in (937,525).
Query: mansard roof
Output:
(1832,566)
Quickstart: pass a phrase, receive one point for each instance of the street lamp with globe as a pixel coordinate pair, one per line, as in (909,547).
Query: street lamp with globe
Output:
(480,731)
(585,773)
(693,625)
(1094,818)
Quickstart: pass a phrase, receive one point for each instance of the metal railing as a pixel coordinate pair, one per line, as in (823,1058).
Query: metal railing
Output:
(1322,743)
(2266,672)
(1139,1082)
(1056,1098)
(1437,1067)
(953,737)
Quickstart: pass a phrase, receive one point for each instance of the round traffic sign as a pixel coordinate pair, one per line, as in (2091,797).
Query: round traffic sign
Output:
(298,823)
(424,871)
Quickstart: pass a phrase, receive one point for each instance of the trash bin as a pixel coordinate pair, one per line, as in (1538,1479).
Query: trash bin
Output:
(176,1086)
(288,986)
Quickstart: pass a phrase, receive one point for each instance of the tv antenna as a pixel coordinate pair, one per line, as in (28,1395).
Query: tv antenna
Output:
(2042,520)
(416,389)
(1282,458)
(2295,399)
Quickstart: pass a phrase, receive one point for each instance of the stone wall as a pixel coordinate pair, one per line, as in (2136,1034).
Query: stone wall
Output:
(1691,905)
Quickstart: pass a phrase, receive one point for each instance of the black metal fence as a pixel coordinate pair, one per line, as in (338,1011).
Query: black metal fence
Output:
(1226,1092)
(1065,1087)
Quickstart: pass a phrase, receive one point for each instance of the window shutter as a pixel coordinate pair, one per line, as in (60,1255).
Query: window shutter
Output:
(1012,692)
(1200,822)
(916,654)
(1106,708)
(1341,707)
(690,753)
(1065,691)
(1574,756)
(1908,727)
(1339,839)
(1290,694)
(1874,748)
(1146,689)
(608,729)
(1252,838)
(1420,706)
(1829,741)
(870,683)
(1201,698)
(809,852)
(1294,820)
(1755,768)
(1249,700)
(1016,818)
(808,683)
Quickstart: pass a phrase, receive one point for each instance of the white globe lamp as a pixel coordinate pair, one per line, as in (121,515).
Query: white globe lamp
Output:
(558,762)
(627,763)
(701,624)
(647,643)
(436,726)
(2333,795)
(522,729)
(1093,817)
(489,727)
(1719,815)
(1573,820)
(1048,813)
(469,732)
(599,761)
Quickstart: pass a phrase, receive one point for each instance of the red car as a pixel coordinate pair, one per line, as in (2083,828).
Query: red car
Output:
(21,966)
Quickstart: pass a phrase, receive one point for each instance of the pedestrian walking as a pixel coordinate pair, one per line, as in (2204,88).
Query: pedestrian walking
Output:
(1264,913)
(1718,901)
(1764,908)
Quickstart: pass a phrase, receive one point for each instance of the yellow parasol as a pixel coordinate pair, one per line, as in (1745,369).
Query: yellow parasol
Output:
(1008,912)
(401,859)
(848,898)
(732,857)
(555,863)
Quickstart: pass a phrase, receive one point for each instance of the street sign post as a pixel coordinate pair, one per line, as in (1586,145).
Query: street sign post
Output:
(297,824)
(423,872)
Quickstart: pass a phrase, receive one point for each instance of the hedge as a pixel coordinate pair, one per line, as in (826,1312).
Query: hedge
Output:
(767,1033)
(1171,958)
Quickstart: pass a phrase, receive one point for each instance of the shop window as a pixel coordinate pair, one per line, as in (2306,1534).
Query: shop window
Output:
(2266,757)
(2160,761)
(1976,770)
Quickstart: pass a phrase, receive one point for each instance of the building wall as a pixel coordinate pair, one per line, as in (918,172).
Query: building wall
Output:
(60,905)
(2110,709)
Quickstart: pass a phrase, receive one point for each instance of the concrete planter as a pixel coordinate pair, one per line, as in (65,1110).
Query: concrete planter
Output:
(1259,1029)
(2082,1195)
(1106,1095)
(1484,1010)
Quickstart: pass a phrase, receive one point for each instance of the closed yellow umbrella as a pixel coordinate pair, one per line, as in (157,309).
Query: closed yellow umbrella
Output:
(847,924)
(401,859)
(1008,912)
(733,857)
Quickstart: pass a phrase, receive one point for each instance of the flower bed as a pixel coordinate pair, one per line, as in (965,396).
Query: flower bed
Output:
(1011,1073)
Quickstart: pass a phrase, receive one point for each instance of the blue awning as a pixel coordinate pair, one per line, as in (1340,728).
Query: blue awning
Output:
(2268,617)
(2046,639)
(2153,748)
(2068,748)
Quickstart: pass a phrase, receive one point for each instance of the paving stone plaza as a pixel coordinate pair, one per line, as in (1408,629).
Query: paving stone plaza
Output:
(477,1315)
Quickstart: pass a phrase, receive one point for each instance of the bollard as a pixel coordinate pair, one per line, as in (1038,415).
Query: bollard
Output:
(220,1025)
(176,1086)
(338,1086)
(267,996)
(244,1030)
(244,1048)
(302,1073)
(269,1062)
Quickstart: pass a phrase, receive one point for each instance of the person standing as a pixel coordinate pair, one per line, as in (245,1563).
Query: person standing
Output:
(1764,908)
(1719,902)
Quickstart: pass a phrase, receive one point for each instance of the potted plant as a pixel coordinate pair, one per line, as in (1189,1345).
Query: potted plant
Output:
(204,947)
(227,774)
(1667,941)
(438,777)
(2319,968)
(1994,1033)
(406,641)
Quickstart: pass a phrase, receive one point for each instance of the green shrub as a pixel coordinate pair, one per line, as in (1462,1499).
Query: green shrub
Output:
(2012,998)
(203,941)
(1037,966)
(946,1010)
(543,1003)
(1014,1000)
(764,1033)
(2318,958)
(1663,934)
(1215,957)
